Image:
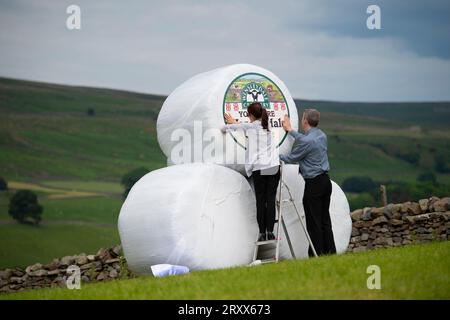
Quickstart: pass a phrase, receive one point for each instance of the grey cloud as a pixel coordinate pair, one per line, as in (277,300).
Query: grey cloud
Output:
(316,47)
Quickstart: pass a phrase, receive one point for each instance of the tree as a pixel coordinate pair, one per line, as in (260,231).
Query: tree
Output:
(3,184)
(361,200)
(130,178)
(441,164)
(90,112)
(24,204)
(358,184)
(411,157)
(427,177)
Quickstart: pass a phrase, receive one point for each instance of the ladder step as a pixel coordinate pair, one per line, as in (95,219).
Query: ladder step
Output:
(284,200)
(259,243)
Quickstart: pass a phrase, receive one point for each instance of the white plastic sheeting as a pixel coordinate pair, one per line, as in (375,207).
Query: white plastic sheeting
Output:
(164,270)
(341,220)
(202,216)
(198,105)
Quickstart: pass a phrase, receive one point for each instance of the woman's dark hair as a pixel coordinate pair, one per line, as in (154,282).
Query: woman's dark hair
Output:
(256,110)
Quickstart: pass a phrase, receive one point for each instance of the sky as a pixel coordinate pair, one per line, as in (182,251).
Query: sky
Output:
(320,49)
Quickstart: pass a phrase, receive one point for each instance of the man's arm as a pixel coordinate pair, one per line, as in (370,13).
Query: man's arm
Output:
(299,151)
(288,128)
(297,135)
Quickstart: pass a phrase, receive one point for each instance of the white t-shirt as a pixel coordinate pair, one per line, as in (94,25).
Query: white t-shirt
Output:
(261,152)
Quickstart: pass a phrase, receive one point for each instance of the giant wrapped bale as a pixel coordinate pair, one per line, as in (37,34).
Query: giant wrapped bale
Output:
(190,119)
(341,220)
(202,216)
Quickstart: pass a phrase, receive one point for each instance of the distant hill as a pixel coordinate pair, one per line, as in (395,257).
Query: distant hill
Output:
(415,113)
(46,132)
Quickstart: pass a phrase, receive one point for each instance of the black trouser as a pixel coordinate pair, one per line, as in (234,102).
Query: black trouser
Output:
(316,201)
(266,191)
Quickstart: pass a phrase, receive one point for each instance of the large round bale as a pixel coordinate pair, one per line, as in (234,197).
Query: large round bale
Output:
(202,216)
(341,220)
(191,117)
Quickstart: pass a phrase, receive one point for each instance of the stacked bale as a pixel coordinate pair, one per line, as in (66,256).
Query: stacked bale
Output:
(175,215)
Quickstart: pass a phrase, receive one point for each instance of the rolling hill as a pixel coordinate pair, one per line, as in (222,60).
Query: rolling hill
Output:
(46,133)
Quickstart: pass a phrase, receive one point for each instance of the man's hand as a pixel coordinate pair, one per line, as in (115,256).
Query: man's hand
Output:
(287,123)
(229,119)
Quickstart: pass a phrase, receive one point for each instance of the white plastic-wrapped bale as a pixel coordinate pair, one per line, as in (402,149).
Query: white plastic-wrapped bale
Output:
(339,213)
(341,220)
(202,216)
(190,119)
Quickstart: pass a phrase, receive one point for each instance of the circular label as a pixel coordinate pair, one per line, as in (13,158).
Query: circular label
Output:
(255,87)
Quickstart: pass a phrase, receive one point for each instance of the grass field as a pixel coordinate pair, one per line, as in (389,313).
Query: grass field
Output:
(107,187)
(70,226)
(23,245)
(413,272)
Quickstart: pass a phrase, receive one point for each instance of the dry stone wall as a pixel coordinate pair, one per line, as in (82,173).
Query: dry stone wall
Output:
(400,224)
(107,264)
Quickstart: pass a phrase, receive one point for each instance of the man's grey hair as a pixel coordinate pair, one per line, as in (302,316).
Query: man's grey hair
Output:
(312,116)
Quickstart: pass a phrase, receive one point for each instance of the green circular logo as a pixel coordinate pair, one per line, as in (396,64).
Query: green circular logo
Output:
(254,87)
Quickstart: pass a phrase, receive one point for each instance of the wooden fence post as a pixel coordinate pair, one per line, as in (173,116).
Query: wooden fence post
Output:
(383,195)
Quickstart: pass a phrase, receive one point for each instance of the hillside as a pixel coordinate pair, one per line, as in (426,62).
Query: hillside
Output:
(426,114)
(46,134)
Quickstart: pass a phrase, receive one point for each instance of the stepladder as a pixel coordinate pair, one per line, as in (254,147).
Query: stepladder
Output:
(269,251)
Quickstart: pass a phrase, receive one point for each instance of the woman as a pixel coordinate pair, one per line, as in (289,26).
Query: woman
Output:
(262,163)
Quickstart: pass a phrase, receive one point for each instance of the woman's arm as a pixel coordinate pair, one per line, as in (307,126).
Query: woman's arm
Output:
(233,124)
(237,126)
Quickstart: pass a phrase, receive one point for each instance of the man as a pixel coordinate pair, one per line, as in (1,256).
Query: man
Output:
(310,152)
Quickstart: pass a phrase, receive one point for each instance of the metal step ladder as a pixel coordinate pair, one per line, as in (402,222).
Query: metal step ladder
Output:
(275,244)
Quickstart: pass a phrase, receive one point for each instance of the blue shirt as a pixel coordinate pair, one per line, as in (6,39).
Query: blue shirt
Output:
(310,152)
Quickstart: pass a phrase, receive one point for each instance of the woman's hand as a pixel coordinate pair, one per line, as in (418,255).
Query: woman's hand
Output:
(229,119)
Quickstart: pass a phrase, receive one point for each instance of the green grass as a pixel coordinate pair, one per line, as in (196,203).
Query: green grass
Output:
(69,226)
(91,209)
(95,209)
(413,272)
(96,186)
(22,245)
(46,133)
